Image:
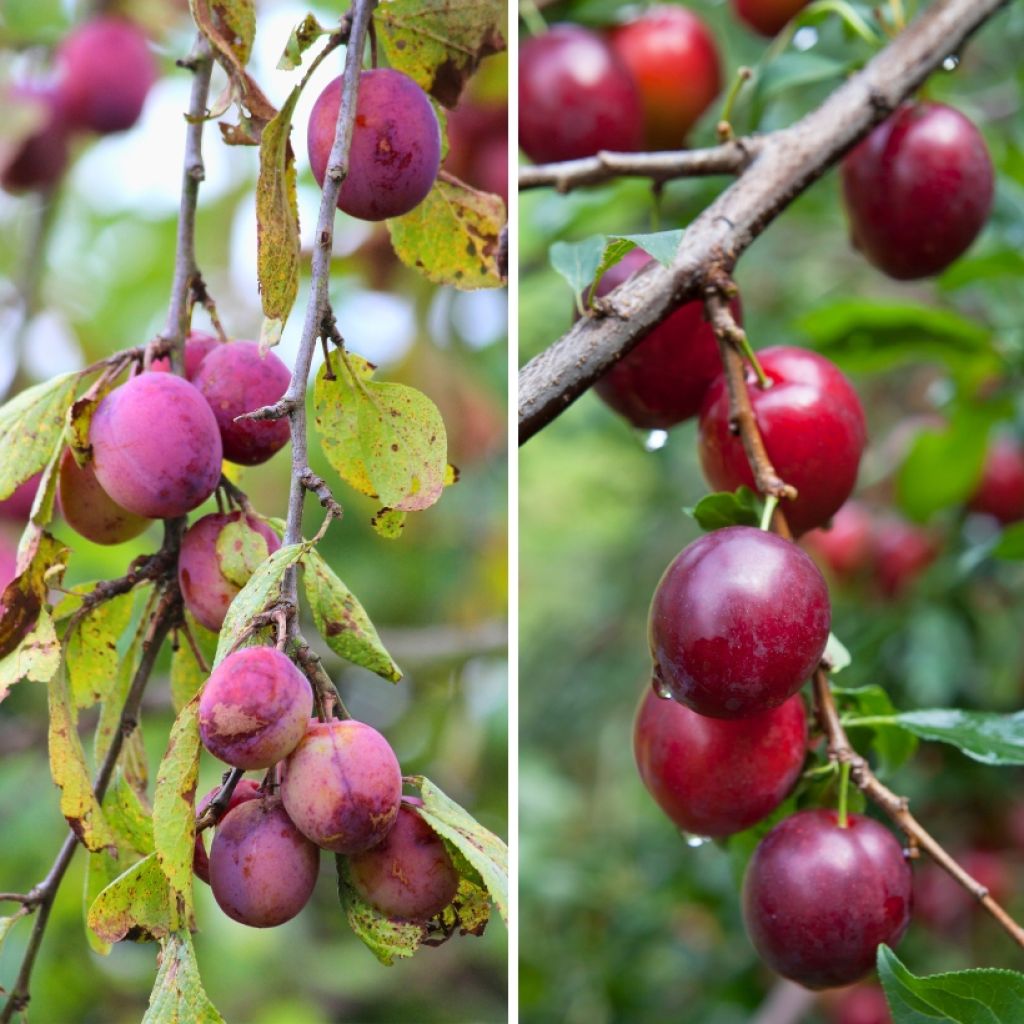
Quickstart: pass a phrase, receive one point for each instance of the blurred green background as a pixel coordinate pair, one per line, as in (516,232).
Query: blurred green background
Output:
(437,595)
(622,921)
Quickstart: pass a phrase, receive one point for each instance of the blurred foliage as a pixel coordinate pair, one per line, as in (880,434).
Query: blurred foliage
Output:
(438,594)
(622,920)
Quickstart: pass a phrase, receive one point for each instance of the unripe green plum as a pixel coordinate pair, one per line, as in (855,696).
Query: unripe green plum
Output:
(262,869)
(342,786)
(409,874)
(89,510)
(254,708)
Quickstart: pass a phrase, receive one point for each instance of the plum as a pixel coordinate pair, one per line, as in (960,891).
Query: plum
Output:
(408,874)
(206,591)
(342,786)
(236,379)
(247,789)
(254,708)
(396,145)
(262,869)
(198,345)
(89,510)
(156,447)
(41,158)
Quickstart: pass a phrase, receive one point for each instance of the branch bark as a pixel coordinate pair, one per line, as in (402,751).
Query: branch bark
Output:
(787,163)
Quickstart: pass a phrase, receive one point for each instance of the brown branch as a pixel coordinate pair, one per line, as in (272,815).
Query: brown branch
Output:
(787,163)
(840,750)
(42,896)
(217,807)
(730,158)
(327,696)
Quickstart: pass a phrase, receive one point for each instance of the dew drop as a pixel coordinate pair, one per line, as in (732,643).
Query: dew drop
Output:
(805,38)
(694,842)
(951,63)
(655,440)
(660,687)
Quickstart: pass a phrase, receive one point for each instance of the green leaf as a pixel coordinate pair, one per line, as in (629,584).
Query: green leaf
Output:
(741,507)
(894,745)
(71,774)
(1010,545)
(137,905)
(484,850)
(385,938)
(386,440)
(453,237)
(262,590)
(277,224)
(984,996)
(174,802)
(342,621)
(187,674)
(798,70)
(178,996)
(129,818)
(578,262)
(303,36)
(389,523)
(982,735)
(5,926)
(240,552)
(836,656)
(91,650)
(31,424)
(439,43)
(662,245)
(37,657)
(944,466)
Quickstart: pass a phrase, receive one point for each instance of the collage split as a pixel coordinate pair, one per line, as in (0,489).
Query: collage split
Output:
(511,512)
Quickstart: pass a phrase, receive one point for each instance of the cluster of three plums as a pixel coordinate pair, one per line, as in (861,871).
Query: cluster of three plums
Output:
(339,788)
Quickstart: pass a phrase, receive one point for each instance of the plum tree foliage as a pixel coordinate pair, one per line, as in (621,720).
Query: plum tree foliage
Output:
(153,432)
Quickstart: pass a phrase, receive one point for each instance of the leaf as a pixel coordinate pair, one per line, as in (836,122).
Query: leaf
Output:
(342,621)
(137,905)
(384,439)
(187,674)
(91,650)
(1010,545)
(982,735)
(303,36)
(240,551)
(943,467)
(484,850)
(798,70)
(277,223)
(578,262)
(388,523)
(100,870)
(727,508)
(385,938)
(174,800)
(894,745)
(37,657)
(469,911)
(25,596)
(178,996)
(31,424)
(71,774)
(454,236)
(984,996)
(129,818)
(662,245)
(439,43)
(262,590)
(836,656)
(5,925)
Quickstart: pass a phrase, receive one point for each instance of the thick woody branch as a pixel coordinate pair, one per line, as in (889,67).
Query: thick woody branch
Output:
(787,162)
(730,158)
(840,750)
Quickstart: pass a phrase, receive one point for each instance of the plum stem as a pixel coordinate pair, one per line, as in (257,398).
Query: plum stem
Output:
(770,503)
(844,793)
(532,18)
(773,170)
(724,127)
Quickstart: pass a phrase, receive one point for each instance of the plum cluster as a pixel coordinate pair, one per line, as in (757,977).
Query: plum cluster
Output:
(340,790)
(104,71)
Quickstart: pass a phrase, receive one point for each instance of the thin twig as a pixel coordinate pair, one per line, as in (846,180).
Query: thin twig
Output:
(328,697)
(216,808)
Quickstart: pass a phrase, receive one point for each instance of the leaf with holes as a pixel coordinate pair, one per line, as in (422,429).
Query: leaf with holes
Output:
(453,237)
(386,440)
(174,802)
(303,36)
(341,620)
(137,905)
(439,43)
(178,996)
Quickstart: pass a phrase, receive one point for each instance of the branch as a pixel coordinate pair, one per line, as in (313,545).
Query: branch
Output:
(40,899)
(840,749)
(786,164)
(731,158)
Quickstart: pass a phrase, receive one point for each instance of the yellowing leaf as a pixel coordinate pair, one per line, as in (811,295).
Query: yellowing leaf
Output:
(178,996)
(25,596)
(453,237)
(37,657)
(187,674)
(91,650)
(386,440)
(439,43)
(67,766)
(30,425)
(341,620)
(240,550)
(137,905)
(303,36)
(277,224)
(174,815)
